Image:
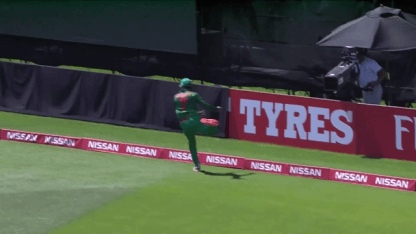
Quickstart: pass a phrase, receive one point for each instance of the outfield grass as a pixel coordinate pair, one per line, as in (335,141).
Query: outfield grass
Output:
(46,189)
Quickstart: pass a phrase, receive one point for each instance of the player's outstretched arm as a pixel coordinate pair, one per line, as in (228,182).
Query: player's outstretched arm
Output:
(205,105)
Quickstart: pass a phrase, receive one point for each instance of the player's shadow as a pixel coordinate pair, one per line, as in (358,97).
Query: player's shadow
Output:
(231,174)
(371,157)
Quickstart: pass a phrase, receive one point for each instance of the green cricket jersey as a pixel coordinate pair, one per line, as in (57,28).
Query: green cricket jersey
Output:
(186,104)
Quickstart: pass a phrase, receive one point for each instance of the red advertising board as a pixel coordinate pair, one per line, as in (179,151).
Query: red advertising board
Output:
(101,146)
(204,158)
(393,182)
(350,177)
(221,160)
(177,155)
(386,132)
(287,169)
(381,181)
(321,173)
(121,148)
(293,121)
(41,138)
(266,166)
(142,151)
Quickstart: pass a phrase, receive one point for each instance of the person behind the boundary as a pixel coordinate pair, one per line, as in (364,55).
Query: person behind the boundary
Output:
(370,76)
(190,119)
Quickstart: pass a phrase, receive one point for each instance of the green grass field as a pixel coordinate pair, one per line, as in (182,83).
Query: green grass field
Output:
(46,189)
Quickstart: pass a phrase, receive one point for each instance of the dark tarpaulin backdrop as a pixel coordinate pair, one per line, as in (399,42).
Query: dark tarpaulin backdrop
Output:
(135,62)
(252,43)
(152,25)
(97,97)
(138,38)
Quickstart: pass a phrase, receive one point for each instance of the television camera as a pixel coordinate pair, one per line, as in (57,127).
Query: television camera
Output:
(345,73)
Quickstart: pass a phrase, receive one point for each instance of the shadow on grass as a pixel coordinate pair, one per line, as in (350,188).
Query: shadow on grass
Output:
(370,157)
(233,175)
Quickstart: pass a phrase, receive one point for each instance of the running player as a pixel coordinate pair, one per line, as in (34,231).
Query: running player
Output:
(190,119)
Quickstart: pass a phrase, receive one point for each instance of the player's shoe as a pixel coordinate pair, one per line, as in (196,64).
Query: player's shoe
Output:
(197,168)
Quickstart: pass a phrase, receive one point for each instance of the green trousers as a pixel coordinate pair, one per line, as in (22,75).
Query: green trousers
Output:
(191,127)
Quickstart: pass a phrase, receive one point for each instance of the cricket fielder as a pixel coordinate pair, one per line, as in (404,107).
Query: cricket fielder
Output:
(190,119)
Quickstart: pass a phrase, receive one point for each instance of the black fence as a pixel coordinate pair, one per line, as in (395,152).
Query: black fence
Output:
(97,97)
(134,62)
(268,44)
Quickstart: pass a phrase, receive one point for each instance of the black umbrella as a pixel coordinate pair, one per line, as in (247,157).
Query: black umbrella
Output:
(384,29)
